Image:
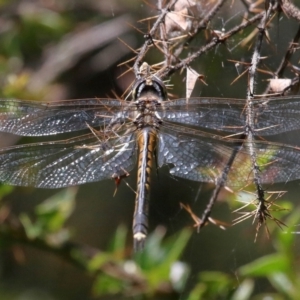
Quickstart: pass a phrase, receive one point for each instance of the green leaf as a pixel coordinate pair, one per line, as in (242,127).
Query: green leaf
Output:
(165,253)
(266,265)
(99,260)
(244,290)
(32,230)
(53,213)
(286,237)
(157,259)
(104,284)
(283,284)
(5,190)
(197,292)
(217,283)
(118,243)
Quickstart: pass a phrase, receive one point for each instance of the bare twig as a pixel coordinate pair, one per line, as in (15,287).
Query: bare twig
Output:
(286,59)
(163,39)
(203,23)
(221,180)
(149,36)
(215,41)
(290,51)
(262,210)
(290,9)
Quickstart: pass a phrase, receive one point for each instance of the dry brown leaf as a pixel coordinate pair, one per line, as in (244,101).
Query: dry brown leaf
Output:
(180,20)
(191,77)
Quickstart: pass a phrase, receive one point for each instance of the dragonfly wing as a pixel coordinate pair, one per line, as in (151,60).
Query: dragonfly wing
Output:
(212,113)
(32,118)
(277,115)
(271,116)
(278,162)
(192,157)
(68,162)
(199,156)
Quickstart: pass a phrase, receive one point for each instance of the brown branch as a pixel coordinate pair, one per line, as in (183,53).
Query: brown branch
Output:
(215,41)
(256,53)
(163,39)
(262,211)
(290,9)
(209,16)
(290,51)
(286,59)
(144,49)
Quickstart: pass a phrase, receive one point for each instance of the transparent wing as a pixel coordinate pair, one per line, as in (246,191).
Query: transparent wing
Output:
(69,162)
(39,118)
(32,118)
(198,156)
(272,116)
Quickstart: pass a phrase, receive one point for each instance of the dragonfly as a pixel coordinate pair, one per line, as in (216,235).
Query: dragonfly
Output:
(195,137)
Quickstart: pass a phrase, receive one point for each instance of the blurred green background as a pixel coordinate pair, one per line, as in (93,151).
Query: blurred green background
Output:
(51,50)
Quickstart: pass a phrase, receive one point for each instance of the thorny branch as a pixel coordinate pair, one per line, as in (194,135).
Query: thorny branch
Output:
(170,69)
(185,62)
(290,9)
(256,53)
(203,23)
(211,45)
(290,51)
(262,211)
(151,33)
(264,16)
(163,38)
(285,63)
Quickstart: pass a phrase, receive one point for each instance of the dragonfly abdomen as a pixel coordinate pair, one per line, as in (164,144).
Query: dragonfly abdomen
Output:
(146,140)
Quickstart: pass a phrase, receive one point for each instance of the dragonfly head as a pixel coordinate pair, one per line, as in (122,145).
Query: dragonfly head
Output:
(149,84)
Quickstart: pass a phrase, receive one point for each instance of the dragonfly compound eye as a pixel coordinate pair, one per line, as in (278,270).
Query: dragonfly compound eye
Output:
(153,85)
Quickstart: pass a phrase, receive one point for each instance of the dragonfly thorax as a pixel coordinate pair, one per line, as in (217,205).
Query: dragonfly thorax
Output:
(148,93)
(147,115)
